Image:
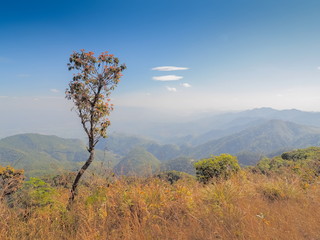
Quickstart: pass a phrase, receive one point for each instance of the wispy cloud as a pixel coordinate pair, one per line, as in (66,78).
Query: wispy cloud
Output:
(171,89)
(54,90)
(169,68)
(167,78)
(318,68)
(186,85)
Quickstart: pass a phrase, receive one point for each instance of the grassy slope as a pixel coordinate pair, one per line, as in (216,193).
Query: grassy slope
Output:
(250,205)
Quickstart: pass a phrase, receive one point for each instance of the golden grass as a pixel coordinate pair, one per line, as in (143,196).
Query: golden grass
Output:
(248,206)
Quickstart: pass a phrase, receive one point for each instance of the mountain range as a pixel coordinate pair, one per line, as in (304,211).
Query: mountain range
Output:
(221,125)
(249,135)
(267,138)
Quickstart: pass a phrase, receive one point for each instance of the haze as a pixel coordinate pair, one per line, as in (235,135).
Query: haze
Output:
(185,59)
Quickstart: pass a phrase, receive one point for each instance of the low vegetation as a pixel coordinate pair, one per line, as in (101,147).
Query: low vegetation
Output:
(218,167)
(261,202)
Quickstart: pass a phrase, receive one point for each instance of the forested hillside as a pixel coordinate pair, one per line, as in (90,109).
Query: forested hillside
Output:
(137,162)
(264,139)
(40,154)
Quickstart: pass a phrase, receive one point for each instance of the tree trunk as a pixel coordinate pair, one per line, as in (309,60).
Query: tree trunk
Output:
(77,179)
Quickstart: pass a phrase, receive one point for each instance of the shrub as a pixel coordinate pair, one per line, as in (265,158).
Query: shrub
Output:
(173,176)
(302,154)
(223,166)
(10,180)
(276,164)
(36,193)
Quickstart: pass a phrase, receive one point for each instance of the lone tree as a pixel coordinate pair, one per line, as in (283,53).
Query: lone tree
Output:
(90,89)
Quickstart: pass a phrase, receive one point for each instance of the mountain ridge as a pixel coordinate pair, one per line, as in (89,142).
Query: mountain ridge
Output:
(270,136)
(249,135)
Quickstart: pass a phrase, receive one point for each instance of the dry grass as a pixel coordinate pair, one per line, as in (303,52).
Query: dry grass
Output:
(248,206)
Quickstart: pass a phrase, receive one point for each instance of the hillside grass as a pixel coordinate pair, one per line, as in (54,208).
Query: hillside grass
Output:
(247,206)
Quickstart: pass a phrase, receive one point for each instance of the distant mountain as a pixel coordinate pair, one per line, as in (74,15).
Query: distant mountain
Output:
(220,125)
(230,128)
(122,144)
(137,162)
(249,134)
(265,138)
(41,154)
(180,164)
(292,115)
(228,120)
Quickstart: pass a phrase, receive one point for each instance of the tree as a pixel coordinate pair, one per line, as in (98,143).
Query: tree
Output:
(90,89)
(10,180)
(223,166)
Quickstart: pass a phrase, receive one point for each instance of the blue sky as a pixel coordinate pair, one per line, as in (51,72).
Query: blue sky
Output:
(237,54)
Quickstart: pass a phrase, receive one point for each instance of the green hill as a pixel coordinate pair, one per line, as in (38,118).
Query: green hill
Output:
(137,162)
(180,164)
(40,154)
(122,144)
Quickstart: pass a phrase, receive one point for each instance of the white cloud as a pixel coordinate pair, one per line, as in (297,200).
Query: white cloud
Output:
(54,90)
(186,85)
(167,78)
(169,68)
(171,89)
(318,68)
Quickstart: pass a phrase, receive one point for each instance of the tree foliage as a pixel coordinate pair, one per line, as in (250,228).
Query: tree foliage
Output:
(90,89)
(36,193)
(304,162)
(10,180)
(223,166)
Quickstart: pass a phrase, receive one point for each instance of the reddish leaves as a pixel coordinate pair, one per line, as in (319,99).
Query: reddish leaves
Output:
(93,82)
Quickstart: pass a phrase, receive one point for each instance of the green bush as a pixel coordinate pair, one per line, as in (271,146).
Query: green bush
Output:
(36,193)
(223,166)
(276,164)
(302,162)
(173,176)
